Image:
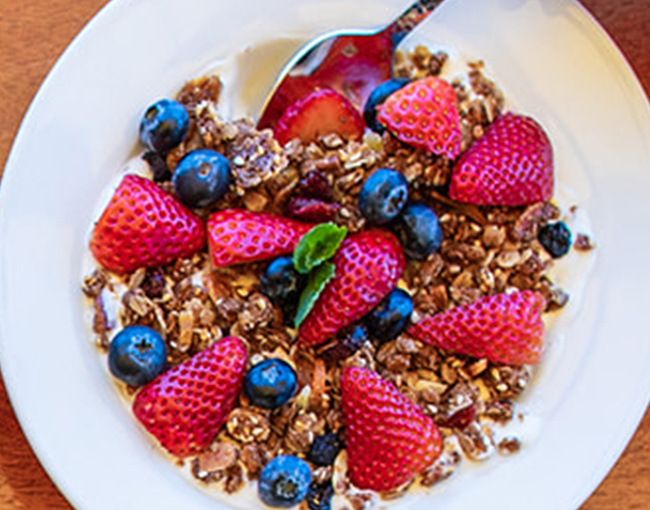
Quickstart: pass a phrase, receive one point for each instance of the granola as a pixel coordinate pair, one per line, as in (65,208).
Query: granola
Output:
(485,250)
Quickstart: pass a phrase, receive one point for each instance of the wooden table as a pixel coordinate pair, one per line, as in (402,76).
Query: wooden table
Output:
(33,33)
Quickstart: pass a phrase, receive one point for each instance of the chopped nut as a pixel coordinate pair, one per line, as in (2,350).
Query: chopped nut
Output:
(494,236)
(583,243)
(253,459)
(219,457)
(509,445)
(234,479)
(340,479)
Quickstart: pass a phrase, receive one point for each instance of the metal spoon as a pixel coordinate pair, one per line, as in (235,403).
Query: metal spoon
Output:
(352,62)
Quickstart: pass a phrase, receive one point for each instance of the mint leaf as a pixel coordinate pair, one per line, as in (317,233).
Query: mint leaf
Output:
(318,278)
(317,245)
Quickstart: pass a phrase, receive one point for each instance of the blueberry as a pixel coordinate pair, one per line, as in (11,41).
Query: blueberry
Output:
(348,345)
(555,238)
(164,125)
(137,355)
(391,316)
(284,481)
(282,284)
(419,230)
(383,196)
(270,384)
(324,449)
(376,98)
(319,496)
(201,177)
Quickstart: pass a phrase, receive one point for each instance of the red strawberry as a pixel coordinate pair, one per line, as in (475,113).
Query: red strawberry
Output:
(320,113)
(238,235)
(424,114)
(367,266)
(504,328)
(388,438)
(144,226)
(511,164)
(352,67)
(185,406)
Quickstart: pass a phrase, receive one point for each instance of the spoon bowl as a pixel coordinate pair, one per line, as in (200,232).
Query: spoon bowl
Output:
(350,61)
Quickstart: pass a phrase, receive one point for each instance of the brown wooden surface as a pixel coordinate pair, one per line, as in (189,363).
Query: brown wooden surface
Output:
(33,33)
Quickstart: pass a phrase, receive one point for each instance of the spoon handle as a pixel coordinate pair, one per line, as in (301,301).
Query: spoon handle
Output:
(409,19)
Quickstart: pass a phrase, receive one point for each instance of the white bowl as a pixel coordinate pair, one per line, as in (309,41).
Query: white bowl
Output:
(554,62)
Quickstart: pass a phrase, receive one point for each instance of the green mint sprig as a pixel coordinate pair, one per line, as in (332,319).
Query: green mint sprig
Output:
(311,257)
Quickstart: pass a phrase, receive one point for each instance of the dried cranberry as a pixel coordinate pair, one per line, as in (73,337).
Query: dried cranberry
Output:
(153,284)
(315,185)
(459,419)
(350,344)
(312,209)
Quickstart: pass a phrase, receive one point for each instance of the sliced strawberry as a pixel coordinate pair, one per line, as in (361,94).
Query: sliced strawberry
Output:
(504,328)
(367,266)
(511,164)
(352,67)
(388,438)
(424,114)
(144,226)
(320,113)
(185,407)
(238,235)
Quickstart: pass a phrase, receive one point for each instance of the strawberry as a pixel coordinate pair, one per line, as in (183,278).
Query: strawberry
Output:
(504,328)
(424,114)
(184,407)
(144,226)
(353,67)
(320,113)
(388,438)
(511,164)
(367,267)
(238,235)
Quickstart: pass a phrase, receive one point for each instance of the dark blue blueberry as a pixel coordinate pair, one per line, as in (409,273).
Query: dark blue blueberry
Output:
(555,238)
(282,284)
(270,384)
(391,316)
(319,496)
(201,177)
(383,196)
(376,98)
(137,355)
(419,230)
(347,346)
(324,449)
(284,481)
(164,125)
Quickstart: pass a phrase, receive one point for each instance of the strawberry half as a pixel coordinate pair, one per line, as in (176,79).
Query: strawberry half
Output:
(504,328)
(424,114)
(388,438)
(238,235)
(144,226)
(367,267)
(185,407)
(511,164)
(320,113)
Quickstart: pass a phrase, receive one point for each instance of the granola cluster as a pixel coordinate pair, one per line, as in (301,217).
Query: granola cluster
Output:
(486,250)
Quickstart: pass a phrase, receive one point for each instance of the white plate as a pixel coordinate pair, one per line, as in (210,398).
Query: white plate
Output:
(554,62)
